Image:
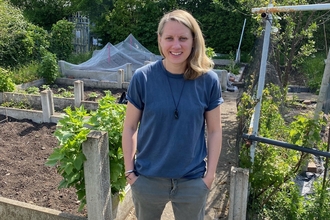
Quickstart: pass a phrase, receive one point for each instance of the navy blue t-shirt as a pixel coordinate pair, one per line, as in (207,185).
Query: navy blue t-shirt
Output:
(168,147)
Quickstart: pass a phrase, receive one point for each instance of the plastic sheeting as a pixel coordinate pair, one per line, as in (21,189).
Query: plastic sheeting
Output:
(128,55)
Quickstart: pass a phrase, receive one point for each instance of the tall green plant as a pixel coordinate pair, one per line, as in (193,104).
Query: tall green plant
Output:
(317,204)
(6,83)
(273,192)
(313,69)
(48,68)
(25,73)
(61,39)
(69,157)
(72,131)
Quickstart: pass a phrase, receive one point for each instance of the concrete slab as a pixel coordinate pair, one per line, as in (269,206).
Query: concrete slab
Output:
(15,210)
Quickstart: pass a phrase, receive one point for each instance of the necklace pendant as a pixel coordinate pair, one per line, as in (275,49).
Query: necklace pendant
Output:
(176,114)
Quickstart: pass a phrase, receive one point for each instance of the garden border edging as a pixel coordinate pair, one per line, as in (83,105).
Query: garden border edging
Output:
(15,210)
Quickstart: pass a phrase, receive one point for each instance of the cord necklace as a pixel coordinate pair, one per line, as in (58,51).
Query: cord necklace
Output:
(176,112)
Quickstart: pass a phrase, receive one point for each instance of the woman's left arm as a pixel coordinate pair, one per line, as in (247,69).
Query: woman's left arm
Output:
(214,143)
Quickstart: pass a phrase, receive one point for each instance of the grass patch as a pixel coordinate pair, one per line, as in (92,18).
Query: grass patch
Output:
(26,73)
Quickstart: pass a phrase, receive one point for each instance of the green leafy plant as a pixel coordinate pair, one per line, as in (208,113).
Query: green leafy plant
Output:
(93,96)
(313,69)
(72,131)
(67,94)
(273,191)
(62,92)
(20,105)
(45,87)
(25,73)
(6,83)
(110,117)
(49,69)
(32,90)
(232,67)
(20,40)
(61,39)
(317,204)
(210,52)
(69,157)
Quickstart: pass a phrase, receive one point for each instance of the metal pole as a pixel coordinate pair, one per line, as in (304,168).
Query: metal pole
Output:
(293,8)
(321,99)
(286,145)
(240,42)
(261,82)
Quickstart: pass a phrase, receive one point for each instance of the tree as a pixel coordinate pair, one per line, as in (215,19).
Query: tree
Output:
(98,13)
(112,21)
(20,41)
(294,40)
(61,39)
(95,9)
(44,13)
(133,16)
(221,24)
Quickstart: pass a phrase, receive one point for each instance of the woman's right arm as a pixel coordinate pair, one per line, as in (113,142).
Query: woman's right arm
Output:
(129,139)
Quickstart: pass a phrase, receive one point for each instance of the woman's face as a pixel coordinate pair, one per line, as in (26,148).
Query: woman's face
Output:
(176,43)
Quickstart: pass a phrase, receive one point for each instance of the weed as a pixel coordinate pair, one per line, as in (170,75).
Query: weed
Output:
(44,87)
(32,90)
(93,95)
(19,105)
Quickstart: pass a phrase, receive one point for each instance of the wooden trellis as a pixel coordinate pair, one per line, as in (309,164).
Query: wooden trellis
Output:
(81,37)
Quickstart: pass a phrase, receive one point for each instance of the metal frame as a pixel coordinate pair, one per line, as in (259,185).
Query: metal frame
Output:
(267,15)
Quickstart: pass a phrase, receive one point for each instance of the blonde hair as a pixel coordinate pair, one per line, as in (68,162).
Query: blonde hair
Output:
(198,62)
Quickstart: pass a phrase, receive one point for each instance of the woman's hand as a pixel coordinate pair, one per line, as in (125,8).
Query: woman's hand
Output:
(208,180)
(131,178)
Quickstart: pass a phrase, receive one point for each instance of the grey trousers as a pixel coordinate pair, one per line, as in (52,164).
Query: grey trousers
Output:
(188,197)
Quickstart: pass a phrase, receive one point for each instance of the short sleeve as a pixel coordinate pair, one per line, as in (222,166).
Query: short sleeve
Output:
(135,90)
(215,93)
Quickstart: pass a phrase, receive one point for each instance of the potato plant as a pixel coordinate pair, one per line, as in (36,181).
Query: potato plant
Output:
(72,131)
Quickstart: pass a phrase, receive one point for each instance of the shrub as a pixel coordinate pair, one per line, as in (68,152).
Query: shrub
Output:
(6,84)
(49,69)
(19,40)
(273,192)
(61,39)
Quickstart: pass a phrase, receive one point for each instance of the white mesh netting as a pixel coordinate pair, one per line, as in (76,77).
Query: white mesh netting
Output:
(105,63)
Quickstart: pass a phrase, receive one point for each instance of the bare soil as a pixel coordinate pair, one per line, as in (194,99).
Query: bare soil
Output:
(24,149)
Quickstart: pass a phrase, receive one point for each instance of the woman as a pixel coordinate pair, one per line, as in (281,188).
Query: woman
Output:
(169,101)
